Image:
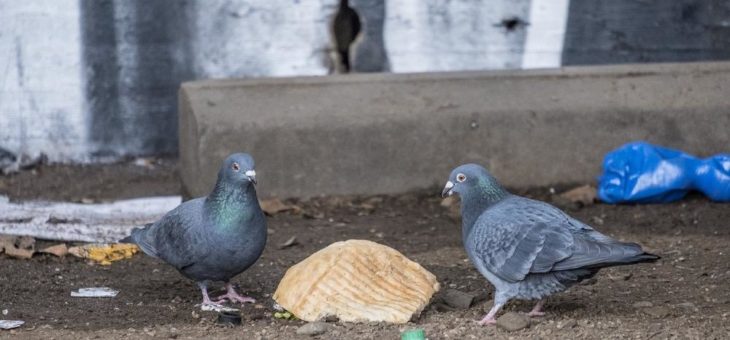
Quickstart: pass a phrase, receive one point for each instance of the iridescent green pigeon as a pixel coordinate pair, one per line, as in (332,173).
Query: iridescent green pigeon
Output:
(528,249)
(212,238)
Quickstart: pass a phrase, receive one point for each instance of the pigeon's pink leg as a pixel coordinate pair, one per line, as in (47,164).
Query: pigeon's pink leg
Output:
(233,296)
(206,298)
(537,310)
(489,319)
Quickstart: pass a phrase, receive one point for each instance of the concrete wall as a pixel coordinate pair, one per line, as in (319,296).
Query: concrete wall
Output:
(41,87)
(87,80)
(388,133)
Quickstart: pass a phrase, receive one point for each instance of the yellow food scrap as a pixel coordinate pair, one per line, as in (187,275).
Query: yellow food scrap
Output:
(105,254)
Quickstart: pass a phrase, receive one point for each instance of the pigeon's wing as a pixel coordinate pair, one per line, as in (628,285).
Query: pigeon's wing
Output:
(528,210)
(512,251)
(518,237)
(590,247)
(178,237)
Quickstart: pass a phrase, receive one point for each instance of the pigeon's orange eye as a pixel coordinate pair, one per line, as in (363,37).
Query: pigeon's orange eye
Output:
(460,178)
(235,166)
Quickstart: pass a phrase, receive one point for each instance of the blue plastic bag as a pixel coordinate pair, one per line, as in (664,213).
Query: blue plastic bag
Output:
(640,172)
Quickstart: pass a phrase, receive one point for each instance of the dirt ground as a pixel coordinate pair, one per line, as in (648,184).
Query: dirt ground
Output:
(685,295)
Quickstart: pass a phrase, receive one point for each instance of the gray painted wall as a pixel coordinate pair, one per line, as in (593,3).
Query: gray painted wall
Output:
(86,80)
(630,31)
(135,54)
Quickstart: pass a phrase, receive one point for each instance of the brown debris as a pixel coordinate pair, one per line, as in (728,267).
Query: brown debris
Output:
(59,250)
(452,206)
(274,206)
(584,195)
(21,247)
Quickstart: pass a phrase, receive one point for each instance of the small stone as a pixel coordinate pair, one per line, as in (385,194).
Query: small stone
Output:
(488,305)
(458,299)
(313,328)
(442,307)
(643,304)
(687,305)
(513,322)
(658,311)
(331,318)
(568,324)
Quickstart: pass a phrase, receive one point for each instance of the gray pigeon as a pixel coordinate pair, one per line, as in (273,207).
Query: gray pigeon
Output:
(528,249)
(212,238)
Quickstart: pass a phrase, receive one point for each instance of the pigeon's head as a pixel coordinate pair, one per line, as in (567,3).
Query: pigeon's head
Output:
(469,179)
(238,168)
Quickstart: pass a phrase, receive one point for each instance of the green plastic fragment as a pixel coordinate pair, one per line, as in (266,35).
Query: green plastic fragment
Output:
(414,334)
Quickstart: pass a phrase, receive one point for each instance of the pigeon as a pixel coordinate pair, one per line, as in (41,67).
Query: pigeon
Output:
(212,238)
(525,248)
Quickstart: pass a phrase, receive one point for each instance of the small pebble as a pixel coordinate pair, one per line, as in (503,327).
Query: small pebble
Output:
(687,305)
(458,299)
(513,322)
(568,324)
(313,328)
(643,304)
(658,311)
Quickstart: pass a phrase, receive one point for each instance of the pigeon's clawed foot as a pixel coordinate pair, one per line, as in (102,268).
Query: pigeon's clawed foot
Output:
(207,304)
(537,310)
(487,320)
(490,319)
(233,296)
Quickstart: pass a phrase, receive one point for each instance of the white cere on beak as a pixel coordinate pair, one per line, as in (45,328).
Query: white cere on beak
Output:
(447,188)
(250,173)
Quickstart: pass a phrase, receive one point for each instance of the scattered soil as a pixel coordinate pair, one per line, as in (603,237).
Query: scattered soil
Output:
(684,295)
(100,182)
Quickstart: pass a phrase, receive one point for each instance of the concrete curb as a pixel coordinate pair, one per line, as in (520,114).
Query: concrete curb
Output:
(390,133)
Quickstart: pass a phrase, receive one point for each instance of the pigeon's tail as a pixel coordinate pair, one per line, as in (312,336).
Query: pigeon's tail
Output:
(570,277)
(640,258)
(127,239)
(593,255)
(645,257)
(139,236)
(632,254)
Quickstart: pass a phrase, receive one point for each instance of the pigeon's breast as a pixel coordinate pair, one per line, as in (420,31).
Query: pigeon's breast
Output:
(230,253)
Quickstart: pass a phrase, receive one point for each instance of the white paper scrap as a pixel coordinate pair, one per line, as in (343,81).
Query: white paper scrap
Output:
(10,324)
(95,292)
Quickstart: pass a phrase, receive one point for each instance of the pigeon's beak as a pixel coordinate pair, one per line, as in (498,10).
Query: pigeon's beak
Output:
(447,189)
(251,174)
